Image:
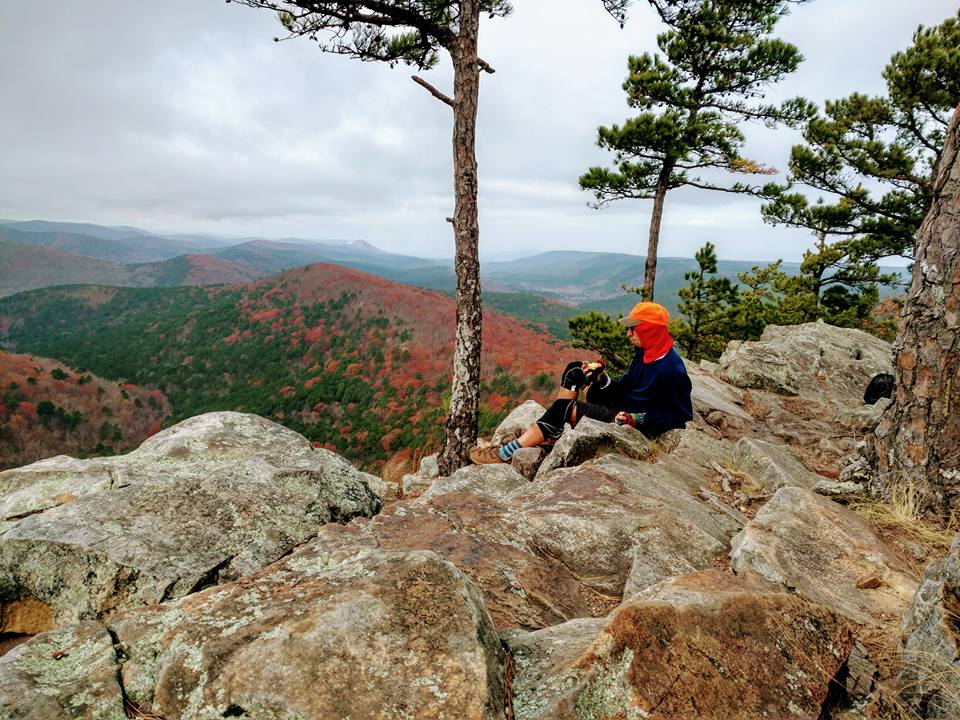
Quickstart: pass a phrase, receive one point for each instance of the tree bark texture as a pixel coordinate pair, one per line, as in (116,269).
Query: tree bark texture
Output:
(653,239)
(917,441)
(461,427)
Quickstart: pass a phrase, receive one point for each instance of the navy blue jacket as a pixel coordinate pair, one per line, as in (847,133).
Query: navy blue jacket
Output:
(660,389)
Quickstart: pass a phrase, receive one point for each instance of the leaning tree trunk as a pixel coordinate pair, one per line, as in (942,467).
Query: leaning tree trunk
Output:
(653,239)
(917,442)
(461,428)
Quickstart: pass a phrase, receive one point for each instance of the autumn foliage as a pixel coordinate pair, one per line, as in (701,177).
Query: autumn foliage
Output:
(48,409)
(352,361)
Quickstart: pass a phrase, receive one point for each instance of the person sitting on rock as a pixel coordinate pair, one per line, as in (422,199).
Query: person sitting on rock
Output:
(652,396)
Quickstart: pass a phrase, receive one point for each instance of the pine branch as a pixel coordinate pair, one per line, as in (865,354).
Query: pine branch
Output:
(432,90)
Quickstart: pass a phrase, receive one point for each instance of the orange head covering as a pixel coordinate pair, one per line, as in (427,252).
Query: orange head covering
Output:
(649,322)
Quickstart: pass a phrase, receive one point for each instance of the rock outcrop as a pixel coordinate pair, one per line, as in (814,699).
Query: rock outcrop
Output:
(799,386)
(573,542)
(355,632)
(703,647)
(208,500)
(238,572)
(67,673)
(809,359)
(822,551)
(771,466)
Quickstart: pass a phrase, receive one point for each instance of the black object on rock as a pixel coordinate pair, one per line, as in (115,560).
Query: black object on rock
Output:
(881,386)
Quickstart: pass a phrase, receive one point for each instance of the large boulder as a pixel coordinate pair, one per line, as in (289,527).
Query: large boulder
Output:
(825,553)
(208,500)
(813,359)
(351,632)
(498,481)
(414,484)
(930,657)
(514,424)
(718,648)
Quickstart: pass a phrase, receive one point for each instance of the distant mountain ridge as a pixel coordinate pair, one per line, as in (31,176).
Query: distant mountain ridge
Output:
(44,254)
(28,267)
(577,280)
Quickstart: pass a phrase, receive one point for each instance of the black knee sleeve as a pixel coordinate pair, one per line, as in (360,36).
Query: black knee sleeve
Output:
(557,415)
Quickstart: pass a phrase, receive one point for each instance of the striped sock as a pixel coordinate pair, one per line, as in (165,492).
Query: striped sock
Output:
(506,451)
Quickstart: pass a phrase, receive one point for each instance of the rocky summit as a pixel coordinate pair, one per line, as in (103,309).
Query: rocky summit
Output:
(226,568)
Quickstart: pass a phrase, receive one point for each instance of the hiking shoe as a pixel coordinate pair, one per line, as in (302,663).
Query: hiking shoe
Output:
(488,455)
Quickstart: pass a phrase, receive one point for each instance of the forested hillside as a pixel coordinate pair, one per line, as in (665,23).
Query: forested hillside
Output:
(190,269)
(47,409)
(26,267)
(354,362)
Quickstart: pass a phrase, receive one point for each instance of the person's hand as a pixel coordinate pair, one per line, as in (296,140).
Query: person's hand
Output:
(592,371)
(631,419)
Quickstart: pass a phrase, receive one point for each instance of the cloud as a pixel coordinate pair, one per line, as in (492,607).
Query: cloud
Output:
(187,116)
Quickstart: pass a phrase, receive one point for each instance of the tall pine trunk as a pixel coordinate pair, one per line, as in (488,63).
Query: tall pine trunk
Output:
(461,427)
(653,239)
(917,442)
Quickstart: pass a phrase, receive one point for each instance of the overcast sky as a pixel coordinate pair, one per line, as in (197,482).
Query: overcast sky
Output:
(184,115)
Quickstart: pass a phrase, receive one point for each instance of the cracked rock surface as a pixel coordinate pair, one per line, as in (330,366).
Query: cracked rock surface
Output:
(208,500)
(354,632)
(710,647)
(930,674)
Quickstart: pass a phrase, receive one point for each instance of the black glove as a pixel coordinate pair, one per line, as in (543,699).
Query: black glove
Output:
(573,377)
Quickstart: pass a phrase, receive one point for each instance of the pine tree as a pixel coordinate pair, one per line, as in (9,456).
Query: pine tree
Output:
(716,58)
(860,144)
(414,32)
(705,307)
(604,336)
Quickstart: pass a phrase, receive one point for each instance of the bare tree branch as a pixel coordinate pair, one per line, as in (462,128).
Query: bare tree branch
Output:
(432,90)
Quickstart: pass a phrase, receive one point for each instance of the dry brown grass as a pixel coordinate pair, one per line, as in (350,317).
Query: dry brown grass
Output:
(900,520)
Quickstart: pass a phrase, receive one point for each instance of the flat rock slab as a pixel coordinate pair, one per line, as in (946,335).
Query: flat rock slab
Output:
(351,632)
(720,650)
(813,359)
(568,545)
(821,550)
(207,500)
